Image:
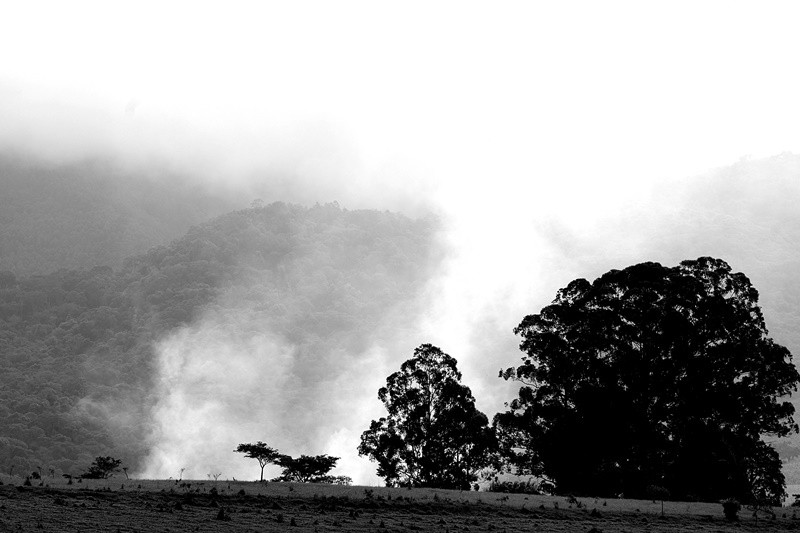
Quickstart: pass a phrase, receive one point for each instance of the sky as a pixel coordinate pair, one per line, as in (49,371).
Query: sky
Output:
(513,121)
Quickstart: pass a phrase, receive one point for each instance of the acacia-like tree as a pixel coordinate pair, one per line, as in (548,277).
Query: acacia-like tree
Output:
(652,376)
(306,468)
(433,436)
(261,452)
(102,468)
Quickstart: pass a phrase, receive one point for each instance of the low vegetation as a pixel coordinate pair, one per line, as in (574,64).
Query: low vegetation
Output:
(192,505)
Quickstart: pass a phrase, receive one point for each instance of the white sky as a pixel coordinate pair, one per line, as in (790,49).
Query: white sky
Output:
(577,92)
(571,108)
(496,114)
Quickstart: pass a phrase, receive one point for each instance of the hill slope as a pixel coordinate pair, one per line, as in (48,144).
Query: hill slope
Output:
(81,370)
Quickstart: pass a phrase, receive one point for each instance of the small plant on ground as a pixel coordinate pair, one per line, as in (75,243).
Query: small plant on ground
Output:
(731,508)
(762,499)
(657,492)
(514,487)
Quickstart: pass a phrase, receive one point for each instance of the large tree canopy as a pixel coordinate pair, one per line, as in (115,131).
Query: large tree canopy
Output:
(434,436)
(652,376)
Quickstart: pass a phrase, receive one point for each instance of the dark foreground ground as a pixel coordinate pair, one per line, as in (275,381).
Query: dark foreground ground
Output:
(139,506)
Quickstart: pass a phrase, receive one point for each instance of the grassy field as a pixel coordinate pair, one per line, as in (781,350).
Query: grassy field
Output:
(166,505)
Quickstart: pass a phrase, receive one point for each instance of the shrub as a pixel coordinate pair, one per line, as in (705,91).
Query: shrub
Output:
(731,508)
(514,487)
(657,492)
(334,480)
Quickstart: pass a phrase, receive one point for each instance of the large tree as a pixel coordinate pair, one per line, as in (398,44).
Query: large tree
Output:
(433,435)
(652,376)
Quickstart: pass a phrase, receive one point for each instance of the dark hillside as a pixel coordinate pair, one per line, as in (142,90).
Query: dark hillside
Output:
(74,342)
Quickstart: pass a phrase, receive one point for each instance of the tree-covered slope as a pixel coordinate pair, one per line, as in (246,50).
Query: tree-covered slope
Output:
(78,347)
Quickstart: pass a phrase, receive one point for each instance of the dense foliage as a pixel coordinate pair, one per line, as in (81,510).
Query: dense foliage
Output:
(102,468)
(652,376)
(306,468)
(77,346)
(433,435)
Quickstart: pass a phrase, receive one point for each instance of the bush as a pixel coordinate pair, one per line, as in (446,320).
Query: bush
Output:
(657,492)
(334,480)
(731,509)
(514,487)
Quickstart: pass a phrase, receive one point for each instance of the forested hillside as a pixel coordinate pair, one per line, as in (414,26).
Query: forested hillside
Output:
(73,342)
(91,213)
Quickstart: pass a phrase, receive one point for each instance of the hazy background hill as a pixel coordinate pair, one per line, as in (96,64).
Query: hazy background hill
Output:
(746,213)
(83,365)
(92,212)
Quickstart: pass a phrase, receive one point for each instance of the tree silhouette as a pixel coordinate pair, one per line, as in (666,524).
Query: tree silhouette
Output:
(102,468)
(259,451)
(652,376)
(306,468)
(433,436)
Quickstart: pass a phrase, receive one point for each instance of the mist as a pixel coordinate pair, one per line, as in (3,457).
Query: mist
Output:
(227,380)
(553,142)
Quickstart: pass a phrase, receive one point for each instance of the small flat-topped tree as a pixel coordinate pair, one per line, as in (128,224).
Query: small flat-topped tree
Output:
(260,451)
